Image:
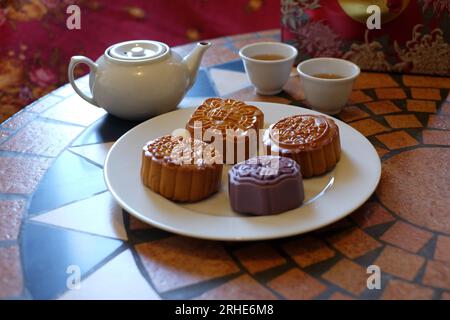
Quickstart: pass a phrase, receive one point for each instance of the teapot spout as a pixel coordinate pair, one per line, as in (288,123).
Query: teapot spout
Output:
(193,60)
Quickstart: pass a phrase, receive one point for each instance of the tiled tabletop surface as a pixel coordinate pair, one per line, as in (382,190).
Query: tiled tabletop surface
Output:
(55,210)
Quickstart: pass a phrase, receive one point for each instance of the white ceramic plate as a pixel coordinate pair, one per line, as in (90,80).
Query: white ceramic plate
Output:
(328,198)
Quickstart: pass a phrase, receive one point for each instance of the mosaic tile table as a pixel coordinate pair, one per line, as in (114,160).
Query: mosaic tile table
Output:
(55,210)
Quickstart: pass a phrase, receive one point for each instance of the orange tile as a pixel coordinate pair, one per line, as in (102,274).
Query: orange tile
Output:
(136,224)
(11,280)
(259,257)
(293,87)
(368,80)
(412,185)
(21,174)
(383,107)
(11,213)
(241,288)
(397,140)
(371,214)
(177,262)
(381,151)
(352,113)
(308,251)
(297,285)
(42,138)
(340,296)
(347,275)
(439,122)
(368,127)
(403,121)
(426,93)
(421,106)
(436,137)
(437,274)
(390,93)
(406,236)
(445,296)
(249,94)
(442,250)
(358,96)
(426,81)
(353,242)
(402,290)
(399,263)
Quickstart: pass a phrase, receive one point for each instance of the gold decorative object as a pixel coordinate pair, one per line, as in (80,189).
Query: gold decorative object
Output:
(357,9)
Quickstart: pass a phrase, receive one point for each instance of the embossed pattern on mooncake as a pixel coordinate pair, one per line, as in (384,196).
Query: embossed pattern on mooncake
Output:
(179,150)
(264,169)
(180,169)
(225,116)
(265,185)
(311,140)
(222,114)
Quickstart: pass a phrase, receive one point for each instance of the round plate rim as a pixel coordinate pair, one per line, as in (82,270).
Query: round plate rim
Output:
(278,235)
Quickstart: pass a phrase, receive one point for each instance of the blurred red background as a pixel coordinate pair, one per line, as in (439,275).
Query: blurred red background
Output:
(35,44)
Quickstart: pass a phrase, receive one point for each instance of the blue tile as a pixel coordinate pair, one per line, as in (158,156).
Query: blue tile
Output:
(107,129)
(47,252)
(236,65)
(202,86)
(69,179)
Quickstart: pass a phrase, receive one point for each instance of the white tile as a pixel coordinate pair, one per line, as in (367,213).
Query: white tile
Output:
(64,91)
(75,110)
(99,215)
(94,152)
(227,81)
(191,102)
(119,279)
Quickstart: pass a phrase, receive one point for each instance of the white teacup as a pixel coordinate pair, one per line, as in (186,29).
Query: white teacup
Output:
(327,95)
(268,76)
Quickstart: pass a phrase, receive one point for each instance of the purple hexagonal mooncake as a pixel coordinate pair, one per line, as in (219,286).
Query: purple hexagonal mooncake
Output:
(265,185)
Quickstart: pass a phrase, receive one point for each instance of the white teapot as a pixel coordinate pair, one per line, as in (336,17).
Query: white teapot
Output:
(139,79)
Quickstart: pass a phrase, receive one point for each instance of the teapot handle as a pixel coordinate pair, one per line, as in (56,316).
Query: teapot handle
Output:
(92,67)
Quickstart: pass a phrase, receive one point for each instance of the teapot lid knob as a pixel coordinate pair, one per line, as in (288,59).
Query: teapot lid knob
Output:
(137,50)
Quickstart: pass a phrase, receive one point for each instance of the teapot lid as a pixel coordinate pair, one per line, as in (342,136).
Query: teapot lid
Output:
(137,50)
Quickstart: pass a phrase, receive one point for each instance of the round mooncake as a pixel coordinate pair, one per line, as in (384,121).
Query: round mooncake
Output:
(311,140)
(265,185)
(235,123)
(180,169)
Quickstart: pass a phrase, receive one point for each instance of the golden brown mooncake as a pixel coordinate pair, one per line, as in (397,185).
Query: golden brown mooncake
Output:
(180,169)
(311,140)
(221,115)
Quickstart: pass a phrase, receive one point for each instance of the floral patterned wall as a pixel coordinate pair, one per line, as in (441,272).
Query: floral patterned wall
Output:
(414,38)
(36,45)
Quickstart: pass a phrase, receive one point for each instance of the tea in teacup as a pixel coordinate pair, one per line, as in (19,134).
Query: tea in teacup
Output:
(268,57)
(328,76)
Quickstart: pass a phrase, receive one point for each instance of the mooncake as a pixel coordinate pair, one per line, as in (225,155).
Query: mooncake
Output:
(181,169)
(265,185)
(232,125)
(311,140)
